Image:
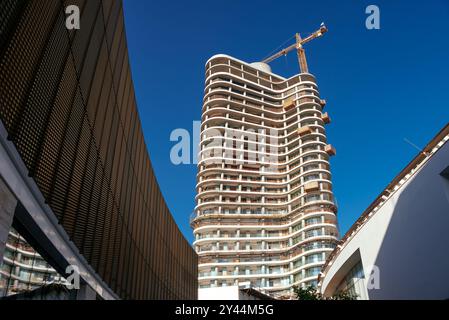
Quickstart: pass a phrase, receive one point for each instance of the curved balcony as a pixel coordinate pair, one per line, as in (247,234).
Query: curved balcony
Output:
(301,199)
(282,185)
(203,239)
(224,97)
(258,250)
(266,224)
(280,194)
(208,275)
(207,261)
(223,157)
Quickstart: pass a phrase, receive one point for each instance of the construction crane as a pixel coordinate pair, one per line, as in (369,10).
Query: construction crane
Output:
(300,49)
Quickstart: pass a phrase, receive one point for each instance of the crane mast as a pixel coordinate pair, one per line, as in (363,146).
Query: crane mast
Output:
(300,49)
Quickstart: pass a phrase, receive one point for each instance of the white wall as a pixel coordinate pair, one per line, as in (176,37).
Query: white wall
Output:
(225,293)
(407,239)
(219,293)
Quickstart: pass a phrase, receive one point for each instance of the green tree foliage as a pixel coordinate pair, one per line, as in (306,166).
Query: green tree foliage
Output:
(311,293)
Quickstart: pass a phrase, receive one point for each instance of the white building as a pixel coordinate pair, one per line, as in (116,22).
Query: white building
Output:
(23,269)
(239,292)
(265,209)
(398,248)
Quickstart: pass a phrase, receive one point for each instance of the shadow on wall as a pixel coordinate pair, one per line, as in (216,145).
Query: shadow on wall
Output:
(413,258)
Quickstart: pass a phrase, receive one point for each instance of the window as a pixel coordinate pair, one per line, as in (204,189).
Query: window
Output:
(311,177)
(353,282)
(313,271)
(314,258)
(311,221)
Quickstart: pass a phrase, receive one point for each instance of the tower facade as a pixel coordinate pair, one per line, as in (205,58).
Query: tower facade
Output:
(265,212)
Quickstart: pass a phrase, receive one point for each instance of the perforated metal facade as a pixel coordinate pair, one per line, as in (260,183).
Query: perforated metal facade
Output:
(67,102)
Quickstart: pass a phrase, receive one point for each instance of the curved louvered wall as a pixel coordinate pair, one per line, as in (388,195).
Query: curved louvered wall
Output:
(68,105)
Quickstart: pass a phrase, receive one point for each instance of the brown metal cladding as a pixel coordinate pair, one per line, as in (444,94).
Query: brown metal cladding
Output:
(67,102)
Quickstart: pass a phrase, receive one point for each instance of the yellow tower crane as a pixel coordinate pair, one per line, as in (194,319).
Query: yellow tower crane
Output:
(300,49)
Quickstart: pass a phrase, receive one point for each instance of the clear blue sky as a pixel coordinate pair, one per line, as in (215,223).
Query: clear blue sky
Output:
(381,86)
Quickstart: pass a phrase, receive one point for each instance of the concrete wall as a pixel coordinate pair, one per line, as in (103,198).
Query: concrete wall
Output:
(407,239)
(7,206)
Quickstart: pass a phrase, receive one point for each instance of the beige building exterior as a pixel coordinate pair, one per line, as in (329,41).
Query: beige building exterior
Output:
(265,209)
